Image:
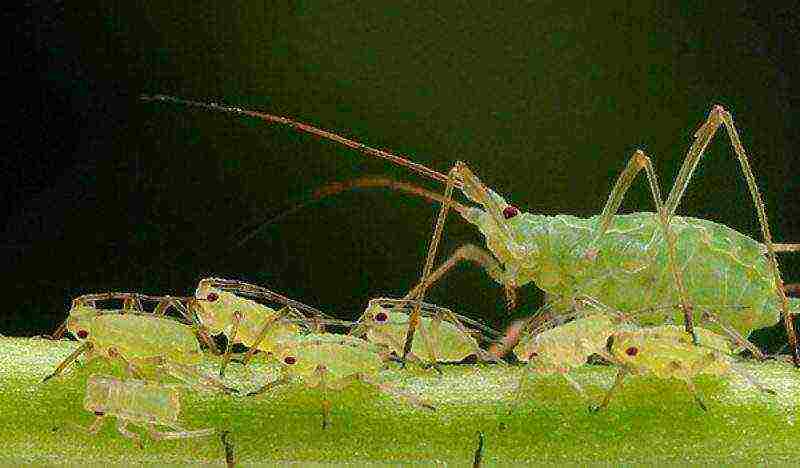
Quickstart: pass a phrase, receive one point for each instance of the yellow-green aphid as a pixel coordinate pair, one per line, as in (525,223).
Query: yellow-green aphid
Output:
(647,260)
(139,341)
(332,362)
(443,335)
(139,402)
(667,352)
(221,309)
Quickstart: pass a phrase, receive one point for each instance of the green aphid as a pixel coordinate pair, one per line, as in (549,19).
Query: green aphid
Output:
(144,342)
(136,402)
(222,309)
(443,335)
(333,362)
(641,261)
(667,352)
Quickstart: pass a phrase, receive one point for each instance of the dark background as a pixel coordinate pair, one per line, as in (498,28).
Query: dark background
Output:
(546,101)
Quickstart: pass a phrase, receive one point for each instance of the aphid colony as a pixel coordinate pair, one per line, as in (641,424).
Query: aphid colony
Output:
(152,345)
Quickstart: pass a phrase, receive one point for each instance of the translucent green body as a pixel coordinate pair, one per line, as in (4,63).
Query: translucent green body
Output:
(724,271)
(217,316)
(667,351)
(338,355)
(135,336)
(136,401)
(437,340)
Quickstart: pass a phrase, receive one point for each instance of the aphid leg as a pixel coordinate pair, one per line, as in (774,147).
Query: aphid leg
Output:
(751,380)
(716,117)
(268,324)
(177,433)
(230,459)
(476,460)
(122,428)
(96,424)
(383,387)
(734,335)
(131,302)
(636,163)
(282,380)
(480,353)
(470,253)
(84,348)
(617,383)
(132,370)
(413,321)
(237,318)
(201,330)
(191,376)
(696,394)
(574,384)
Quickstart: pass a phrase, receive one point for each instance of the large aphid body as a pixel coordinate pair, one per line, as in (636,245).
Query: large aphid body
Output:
(724,271)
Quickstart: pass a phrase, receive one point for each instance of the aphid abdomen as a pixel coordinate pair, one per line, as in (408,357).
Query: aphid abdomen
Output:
(134,400)
(136,336)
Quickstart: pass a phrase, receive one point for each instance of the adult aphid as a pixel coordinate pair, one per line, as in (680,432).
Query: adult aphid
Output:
(629,262)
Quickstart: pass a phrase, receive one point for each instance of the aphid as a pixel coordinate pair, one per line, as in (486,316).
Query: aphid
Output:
(444,337)
(333,362)
(138,340)
(629,262)
(221,310)
(667,352)
(138,402)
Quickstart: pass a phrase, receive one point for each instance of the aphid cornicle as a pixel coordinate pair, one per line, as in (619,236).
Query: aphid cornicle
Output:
(333,362)
(443,335)
(629,262)
(138,402)
(666,352)
(138,340)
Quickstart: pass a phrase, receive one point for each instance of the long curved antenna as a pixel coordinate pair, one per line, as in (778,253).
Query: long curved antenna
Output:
(303,127)
(337,188)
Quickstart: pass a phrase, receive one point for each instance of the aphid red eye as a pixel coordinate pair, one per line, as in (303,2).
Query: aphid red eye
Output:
(82,334)
(212,297)
(290,360)
(632,351)
(533,355)
(381,317)
(510,211)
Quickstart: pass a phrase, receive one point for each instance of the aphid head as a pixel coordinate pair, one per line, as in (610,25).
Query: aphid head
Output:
(79,322)
(212,306)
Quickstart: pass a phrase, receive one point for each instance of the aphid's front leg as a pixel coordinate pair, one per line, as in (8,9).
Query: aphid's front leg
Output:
(84,348)
(237,318)
(617,383)
(178,433)
(123,429)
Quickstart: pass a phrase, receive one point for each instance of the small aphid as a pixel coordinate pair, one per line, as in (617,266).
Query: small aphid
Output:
(333,362)
(138,402)
(668,352)
(222,309)
(443,335)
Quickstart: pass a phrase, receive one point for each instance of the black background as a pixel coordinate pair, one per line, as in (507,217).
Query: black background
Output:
(546,101)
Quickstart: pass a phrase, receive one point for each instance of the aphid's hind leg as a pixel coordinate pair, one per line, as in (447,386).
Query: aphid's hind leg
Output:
(481,257)
(178,433)
(617,383)
(84,348)
(637,162)
(696,394)
(123,429)
(719,116)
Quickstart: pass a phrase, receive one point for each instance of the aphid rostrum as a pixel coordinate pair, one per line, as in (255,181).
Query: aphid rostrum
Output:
(629,262)
(332,362)
(136,402)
